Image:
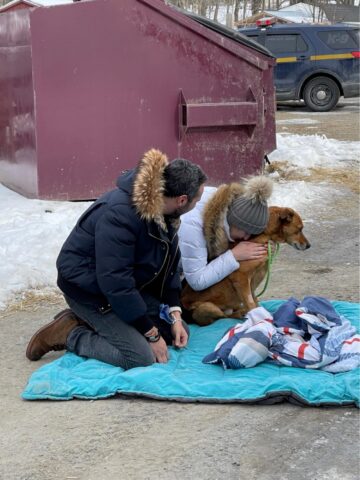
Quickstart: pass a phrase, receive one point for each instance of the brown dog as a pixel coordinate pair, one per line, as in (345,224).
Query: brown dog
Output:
(235,295)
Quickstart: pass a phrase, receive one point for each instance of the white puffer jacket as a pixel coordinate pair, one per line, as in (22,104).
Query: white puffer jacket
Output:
(194,254)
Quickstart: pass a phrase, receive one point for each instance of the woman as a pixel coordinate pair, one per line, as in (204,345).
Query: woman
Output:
(213,236)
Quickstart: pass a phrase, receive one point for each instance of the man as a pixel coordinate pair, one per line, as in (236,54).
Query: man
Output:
(118,269)
(227,216)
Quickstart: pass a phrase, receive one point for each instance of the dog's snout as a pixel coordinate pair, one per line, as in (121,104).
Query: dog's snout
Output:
(301,246)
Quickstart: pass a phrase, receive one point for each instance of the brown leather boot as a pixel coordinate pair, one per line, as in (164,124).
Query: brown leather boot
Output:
(53,335)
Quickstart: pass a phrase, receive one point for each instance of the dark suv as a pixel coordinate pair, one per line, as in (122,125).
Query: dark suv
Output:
(316,63)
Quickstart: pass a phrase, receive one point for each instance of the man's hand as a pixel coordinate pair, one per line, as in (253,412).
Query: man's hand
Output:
(179,334)
(160,350)
(249,251)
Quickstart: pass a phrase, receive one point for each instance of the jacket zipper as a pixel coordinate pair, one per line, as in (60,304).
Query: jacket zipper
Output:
(167,252)
(169,266)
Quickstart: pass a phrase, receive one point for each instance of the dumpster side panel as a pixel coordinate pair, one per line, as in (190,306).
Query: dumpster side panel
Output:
(269,131)
(127,76)
(18,168)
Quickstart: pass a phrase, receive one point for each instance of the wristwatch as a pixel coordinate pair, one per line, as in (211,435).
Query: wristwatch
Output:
(154,335)
(153,338)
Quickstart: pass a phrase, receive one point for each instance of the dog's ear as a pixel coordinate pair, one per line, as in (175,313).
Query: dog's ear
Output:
(286,215)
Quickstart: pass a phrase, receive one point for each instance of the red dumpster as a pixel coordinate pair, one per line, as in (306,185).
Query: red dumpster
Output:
(87,88)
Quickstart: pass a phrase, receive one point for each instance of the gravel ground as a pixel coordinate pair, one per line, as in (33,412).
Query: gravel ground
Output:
(125,438)
(343,123)
(331,266)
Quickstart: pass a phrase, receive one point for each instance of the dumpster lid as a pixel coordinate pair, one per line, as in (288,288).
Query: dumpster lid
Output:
(226,32)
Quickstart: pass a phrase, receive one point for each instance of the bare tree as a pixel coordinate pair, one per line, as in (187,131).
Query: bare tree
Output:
(236,10)
(256,6)
(239,8)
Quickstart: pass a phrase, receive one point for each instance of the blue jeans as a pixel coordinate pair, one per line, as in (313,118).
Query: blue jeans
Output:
(111,340)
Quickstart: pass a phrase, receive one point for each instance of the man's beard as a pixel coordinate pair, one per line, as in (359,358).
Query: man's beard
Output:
(177,213)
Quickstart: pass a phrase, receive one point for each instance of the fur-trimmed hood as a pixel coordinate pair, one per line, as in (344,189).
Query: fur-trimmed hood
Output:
(148,189)
(215,210)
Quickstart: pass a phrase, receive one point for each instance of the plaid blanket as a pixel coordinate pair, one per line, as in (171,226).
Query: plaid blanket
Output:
(307,334)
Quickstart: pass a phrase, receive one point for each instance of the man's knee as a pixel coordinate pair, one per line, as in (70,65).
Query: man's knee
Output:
(139,359)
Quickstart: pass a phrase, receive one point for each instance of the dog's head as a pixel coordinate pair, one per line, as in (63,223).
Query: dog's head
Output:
(285,226)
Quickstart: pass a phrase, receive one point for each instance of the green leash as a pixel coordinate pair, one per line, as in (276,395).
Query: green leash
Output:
(270,260)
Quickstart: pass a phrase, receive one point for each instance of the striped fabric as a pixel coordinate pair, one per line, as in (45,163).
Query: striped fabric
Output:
(307,334)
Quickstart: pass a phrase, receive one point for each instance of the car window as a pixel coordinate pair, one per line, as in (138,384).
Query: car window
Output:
(285,43)
(337,40)
(356,34)
(254,37)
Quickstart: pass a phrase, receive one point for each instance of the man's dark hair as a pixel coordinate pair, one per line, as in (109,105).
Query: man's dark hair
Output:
(183,178)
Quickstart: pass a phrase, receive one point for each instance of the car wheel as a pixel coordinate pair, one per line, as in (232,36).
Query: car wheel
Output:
(321,94)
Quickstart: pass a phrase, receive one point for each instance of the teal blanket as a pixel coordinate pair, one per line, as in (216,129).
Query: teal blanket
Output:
(186,378)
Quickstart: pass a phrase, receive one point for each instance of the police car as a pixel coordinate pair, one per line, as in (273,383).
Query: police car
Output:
(316,63)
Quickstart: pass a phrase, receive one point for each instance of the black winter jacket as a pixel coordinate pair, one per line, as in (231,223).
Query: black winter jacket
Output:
(119,250)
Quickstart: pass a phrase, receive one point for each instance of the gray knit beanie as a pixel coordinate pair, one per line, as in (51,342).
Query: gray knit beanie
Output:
(249,212)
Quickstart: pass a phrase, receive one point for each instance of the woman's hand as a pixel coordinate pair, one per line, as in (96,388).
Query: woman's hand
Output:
(249,251)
